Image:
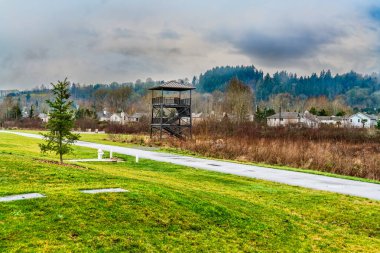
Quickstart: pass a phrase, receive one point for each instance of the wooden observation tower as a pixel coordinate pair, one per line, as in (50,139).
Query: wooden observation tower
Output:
(171,110)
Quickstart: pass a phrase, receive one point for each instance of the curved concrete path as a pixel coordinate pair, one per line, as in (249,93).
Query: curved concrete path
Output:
(325,183)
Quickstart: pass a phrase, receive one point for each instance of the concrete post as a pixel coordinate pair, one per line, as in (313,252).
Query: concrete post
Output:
(100,154)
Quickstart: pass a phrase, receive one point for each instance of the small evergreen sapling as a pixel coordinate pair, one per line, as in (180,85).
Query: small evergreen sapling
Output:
(364,121)
(378,125)
(61,120)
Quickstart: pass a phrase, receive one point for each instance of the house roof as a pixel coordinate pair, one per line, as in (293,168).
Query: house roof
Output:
(365,115)
(116,114)
(311,117)
(295,115)
(119,114)
(42,115)
(173,85)
(336,118)
(197,115)
(102,114)
(138,115)
(286,115)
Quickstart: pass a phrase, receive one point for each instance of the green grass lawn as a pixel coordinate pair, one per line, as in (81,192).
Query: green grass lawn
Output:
(97,138)
(169,208)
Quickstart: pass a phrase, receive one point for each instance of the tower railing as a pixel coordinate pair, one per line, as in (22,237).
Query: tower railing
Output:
(170,101)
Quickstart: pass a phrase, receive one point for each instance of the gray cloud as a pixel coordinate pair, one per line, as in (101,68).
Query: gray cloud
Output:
(169,34)
(123,40)
(36,54)
(288,45)
(124,33)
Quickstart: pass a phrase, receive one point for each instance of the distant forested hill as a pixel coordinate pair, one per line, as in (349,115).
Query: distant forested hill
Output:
(217,78)
(358,90)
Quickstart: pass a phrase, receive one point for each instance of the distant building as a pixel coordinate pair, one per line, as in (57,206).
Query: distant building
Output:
(358,120)
(44,117)
(136,117)
(293,118)
(25,112)
(361,119)
(338,121)
(197,117)
(120,118)
(310,120)
(103,116)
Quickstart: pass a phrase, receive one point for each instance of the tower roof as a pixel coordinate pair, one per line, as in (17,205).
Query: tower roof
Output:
(173,85)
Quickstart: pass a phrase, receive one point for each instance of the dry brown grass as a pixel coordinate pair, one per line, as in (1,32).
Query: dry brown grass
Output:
(351,152)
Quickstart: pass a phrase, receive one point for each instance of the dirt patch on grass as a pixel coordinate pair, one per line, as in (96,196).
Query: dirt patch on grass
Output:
(74,166)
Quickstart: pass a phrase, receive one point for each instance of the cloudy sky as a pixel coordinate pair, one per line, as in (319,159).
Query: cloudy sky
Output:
(100,41)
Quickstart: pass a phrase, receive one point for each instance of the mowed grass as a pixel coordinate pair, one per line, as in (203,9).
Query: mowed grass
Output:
(169,208)
(100,138)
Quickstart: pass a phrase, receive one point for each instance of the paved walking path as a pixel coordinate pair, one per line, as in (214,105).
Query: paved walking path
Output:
(338,185)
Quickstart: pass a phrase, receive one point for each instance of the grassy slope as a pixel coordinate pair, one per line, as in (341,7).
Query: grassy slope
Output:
(168,208)
(98,138)
(102,139)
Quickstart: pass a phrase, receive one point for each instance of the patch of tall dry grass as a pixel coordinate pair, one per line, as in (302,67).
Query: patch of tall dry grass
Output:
(352,152)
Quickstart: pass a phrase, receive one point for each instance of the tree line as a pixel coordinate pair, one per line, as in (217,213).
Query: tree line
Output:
(357,90)
(237,91)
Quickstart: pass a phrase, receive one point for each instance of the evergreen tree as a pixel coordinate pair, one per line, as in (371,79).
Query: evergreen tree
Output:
(31,112)
(313,111)
(194,81)
(322,112)
(15,112)
(378,125)
(28,97)
(340,113)
(262,115)
(364,121)
(61,120)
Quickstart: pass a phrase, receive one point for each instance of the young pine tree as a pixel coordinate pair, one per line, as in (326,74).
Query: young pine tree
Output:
(61,120)
(31,112)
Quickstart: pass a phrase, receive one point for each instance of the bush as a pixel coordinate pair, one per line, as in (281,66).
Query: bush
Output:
(129,128)
(27,123)
(85,123)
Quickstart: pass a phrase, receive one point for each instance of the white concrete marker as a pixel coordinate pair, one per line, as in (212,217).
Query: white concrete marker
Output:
(137,158)
(100,154)
(94,191)
(111,154)
(21,197)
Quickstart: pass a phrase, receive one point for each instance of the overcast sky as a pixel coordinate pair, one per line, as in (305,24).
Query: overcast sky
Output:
(100,41)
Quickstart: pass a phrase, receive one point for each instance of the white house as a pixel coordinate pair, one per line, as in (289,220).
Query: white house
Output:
(197,117)
(120,118)
(44,117)
(136,117)
(310,120)
(338,121)
(361,119)
(103,116)
(293,118)
(25,112)
(284,119)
